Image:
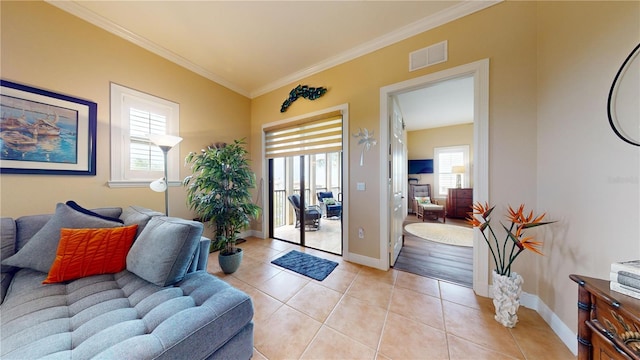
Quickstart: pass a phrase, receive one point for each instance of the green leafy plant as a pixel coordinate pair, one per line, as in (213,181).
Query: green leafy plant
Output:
(515,234)
(218,191)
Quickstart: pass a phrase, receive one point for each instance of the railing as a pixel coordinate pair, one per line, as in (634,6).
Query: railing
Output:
(280,204)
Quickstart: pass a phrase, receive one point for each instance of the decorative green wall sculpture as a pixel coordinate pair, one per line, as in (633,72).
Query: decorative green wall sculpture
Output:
(306,92)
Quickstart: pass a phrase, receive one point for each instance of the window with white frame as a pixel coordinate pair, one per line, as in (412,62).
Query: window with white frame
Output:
(135,161)
(445,159)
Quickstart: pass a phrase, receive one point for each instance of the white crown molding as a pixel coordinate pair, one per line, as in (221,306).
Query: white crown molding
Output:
(85,14)
(450,14)
(462,9)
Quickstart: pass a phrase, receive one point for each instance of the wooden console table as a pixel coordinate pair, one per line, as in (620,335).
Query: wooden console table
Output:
(608,321)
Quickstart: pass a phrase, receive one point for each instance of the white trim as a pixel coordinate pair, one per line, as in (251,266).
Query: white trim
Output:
(344,109)
(120,98)
(366,261)
(568,337)
(462,9)
(480,71)
(445,16)
(83,13)
(134,183)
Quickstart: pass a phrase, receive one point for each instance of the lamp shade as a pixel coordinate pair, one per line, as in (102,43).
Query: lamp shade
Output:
(164,140)
(158,185)
(458,169)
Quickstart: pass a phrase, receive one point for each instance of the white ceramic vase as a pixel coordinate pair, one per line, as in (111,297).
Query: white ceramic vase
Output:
(506,298)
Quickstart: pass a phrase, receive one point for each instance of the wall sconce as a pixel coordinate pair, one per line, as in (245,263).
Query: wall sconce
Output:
(458,170)
(165,143)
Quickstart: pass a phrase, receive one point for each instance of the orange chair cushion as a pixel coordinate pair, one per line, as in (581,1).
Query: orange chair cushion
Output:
(85,252)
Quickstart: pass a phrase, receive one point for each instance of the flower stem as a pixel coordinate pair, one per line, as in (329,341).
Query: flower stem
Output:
(500,259)
(490,248)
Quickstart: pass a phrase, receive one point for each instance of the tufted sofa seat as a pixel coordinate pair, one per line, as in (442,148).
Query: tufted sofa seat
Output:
(123,315)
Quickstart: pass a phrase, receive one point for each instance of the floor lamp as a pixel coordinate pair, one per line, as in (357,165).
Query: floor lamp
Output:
(165,143)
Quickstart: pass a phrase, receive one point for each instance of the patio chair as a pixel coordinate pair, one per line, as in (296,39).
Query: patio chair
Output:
(312,213)
(330,206)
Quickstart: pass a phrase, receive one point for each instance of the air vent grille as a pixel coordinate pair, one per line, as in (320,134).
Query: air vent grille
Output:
(428,56)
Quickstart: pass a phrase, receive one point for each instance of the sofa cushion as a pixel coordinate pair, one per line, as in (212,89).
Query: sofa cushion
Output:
(164,250)
(74,205)
(138,215)
(40,251)
(120,316)
(8,240)
(329,201)
(85,252)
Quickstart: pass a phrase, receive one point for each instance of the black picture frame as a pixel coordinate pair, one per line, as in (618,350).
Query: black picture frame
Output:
(46,133)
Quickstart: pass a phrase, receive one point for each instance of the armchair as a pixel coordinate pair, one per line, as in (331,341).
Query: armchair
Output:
(312,213)
(330,207)
(424,205)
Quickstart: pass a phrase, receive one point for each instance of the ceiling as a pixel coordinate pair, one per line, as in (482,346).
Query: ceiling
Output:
(253,47)
(442,104)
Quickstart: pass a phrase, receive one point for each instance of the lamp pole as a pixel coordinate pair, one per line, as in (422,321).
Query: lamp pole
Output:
(165,150)
(165,143)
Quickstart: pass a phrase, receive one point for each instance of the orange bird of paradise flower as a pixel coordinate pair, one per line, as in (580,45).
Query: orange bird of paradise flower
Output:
(515,234)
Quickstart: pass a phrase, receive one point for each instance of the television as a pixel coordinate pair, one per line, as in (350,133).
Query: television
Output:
(424,166)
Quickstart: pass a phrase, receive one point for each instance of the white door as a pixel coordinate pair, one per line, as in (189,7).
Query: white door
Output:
(397,188)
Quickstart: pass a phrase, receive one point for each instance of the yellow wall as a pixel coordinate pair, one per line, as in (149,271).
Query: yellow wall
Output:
(420,145)
(512,104)
(47,48)
(587,177)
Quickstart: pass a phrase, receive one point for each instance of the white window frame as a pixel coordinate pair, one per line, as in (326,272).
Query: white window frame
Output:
(464,149)
(121,97)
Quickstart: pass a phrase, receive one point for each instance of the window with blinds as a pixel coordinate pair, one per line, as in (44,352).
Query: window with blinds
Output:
(445,159)
(143,155)
(135,115)
(321,134)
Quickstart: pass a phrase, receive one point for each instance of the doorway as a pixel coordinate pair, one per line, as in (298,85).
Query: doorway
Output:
(307,203)
(298,214)
(479,70)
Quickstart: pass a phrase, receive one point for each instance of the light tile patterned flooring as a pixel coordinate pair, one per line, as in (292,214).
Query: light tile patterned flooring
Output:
(363,313)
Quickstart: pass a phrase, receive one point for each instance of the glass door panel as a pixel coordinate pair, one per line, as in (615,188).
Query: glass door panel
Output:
(297,215)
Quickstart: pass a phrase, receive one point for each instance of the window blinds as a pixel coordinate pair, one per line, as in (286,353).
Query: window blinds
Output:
(145,156)
(320,134)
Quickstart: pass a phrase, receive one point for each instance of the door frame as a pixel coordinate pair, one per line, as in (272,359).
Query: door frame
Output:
(344,109)
(480,72)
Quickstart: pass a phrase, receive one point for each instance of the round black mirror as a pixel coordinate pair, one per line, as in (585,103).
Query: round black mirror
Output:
(623,105)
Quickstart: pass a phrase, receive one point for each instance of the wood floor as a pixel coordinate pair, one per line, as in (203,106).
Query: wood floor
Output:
(436,260)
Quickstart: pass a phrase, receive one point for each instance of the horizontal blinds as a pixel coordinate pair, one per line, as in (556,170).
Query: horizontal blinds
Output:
(310,136)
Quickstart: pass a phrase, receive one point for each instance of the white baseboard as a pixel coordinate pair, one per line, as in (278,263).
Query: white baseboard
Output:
(255,233)
(568,337)
(364,260)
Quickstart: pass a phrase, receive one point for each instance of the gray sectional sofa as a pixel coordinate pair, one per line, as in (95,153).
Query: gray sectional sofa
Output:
(163,305)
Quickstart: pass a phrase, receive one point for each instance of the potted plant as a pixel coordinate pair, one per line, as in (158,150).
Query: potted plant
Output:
(507,285)
(218,192)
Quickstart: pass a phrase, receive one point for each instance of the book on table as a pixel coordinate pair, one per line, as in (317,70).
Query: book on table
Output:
(626,278)
(625,290)
(632,266)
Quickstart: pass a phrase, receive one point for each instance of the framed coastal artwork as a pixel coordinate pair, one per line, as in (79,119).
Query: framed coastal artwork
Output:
(42,132)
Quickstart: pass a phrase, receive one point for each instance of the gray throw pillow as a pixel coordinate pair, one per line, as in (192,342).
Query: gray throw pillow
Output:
(164,250)
(40,251)
(138,215)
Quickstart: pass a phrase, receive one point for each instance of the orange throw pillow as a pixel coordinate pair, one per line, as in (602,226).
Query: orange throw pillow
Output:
(85,252)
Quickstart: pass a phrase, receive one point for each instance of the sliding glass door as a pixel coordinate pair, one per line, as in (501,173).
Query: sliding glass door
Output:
(299,215)
(305,181)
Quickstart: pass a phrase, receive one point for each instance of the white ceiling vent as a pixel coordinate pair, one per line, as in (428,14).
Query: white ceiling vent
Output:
(428,56)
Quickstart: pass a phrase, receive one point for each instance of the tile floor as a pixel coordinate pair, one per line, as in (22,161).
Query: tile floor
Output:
(363,313)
